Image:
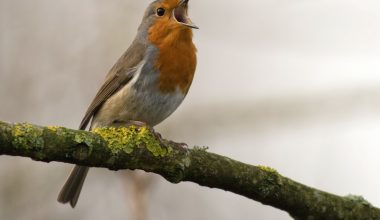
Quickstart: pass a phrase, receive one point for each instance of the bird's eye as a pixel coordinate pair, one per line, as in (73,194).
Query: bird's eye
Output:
(160,12)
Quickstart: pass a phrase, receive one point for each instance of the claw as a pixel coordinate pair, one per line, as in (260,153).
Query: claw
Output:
(181,145)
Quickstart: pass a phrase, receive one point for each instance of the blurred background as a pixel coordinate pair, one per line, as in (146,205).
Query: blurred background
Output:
(292,84)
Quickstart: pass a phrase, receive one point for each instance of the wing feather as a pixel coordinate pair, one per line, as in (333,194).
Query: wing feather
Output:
(120,74)
(110,87)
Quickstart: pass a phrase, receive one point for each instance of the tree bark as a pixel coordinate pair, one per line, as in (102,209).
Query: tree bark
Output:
(138,148)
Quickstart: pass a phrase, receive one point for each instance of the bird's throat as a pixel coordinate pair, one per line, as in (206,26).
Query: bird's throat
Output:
(176,58)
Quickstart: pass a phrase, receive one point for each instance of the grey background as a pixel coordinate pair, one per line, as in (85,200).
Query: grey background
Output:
(292,84)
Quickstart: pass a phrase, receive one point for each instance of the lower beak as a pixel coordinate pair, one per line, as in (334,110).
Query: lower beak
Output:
(180,15)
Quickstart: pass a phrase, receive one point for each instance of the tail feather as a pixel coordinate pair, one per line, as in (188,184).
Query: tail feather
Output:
(71,190)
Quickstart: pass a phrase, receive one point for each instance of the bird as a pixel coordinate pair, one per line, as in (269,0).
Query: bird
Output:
(147,83)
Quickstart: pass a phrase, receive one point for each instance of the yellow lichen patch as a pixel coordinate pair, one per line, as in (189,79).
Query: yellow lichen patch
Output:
(127,139)
(152,144)
(267,169)
(118,139)
(53,128)
(27,136)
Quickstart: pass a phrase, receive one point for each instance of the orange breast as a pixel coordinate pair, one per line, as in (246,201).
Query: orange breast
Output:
(176,58)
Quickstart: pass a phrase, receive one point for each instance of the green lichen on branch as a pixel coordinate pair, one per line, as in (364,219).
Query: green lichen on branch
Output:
(358,199)
(27,136)
(140,148)
(118,139)
(127,139)
(271,183)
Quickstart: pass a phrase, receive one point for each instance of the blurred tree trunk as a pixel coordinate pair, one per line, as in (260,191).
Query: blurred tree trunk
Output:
(137,188)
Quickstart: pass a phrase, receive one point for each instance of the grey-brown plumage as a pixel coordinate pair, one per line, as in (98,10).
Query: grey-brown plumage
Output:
(71,190)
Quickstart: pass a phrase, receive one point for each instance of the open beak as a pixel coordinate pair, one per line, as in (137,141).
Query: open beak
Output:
(180,15)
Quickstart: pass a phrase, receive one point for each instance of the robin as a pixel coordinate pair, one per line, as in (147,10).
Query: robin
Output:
(147,83)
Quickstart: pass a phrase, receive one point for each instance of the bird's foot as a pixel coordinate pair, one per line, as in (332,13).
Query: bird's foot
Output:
(181,145)
(130,123)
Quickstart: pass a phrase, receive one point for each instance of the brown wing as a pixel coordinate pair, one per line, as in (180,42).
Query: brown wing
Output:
(120,74)
(110,87)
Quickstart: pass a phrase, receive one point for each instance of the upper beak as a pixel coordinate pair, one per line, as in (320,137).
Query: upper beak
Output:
(180,14)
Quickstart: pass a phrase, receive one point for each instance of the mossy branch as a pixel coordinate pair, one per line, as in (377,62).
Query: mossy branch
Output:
(132,148)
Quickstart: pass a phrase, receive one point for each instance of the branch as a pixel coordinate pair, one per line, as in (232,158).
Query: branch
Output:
(132,148)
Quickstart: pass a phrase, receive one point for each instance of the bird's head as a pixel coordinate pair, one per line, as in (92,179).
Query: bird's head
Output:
(167,18)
